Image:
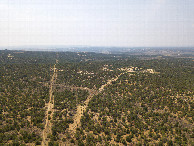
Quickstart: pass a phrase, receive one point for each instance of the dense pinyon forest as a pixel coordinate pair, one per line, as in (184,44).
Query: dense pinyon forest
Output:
(98,99)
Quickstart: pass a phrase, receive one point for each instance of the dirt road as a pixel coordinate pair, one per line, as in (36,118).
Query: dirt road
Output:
(108,83)
(50,110)
(82,108)
(80,111)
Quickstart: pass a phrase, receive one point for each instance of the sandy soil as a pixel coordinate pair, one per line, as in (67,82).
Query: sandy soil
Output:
(82,108)
(50,107)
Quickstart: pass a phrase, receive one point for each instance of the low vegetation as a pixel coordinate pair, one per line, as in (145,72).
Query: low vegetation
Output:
(150,103)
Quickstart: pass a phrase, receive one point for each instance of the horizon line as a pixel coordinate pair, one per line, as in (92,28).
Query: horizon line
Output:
(32,46)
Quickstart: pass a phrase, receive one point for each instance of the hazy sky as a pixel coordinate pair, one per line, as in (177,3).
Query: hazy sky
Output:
(97,22)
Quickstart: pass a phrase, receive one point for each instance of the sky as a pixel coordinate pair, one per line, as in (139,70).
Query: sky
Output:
(132,23)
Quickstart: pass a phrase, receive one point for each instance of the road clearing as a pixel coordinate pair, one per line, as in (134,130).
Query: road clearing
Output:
(50,110)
